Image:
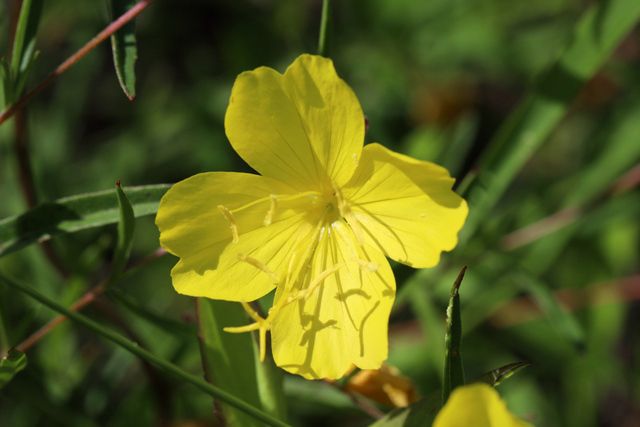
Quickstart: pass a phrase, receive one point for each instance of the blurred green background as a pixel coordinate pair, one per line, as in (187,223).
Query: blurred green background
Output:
(436,79)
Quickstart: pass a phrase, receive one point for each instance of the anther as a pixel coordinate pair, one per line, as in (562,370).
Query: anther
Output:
(229,216)
(272,210)
(369,266)
(261,325)
(345,211)
(257,264)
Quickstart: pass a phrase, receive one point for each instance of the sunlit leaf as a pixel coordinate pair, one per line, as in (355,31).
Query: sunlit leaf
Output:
(73,214)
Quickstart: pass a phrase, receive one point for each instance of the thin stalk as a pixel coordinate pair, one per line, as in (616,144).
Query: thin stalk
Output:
(326,24)
(135,349)
(102,36)
(85,300)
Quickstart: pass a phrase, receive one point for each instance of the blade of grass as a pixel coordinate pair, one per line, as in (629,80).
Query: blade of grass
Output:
(133,348)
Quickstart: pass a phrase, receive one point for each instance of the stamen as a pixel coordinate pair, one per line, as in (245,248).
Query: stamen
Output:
(345,211)
(282,198)
(254,262)
(369,266)
(355,226)
(320,279)
(241,329)
(272,210)
(262,325)
(251,312)
(229,216)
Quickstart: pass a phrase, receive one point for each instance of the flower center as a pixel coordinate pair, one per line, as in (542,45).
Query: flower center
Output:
(330,208)
(344,207)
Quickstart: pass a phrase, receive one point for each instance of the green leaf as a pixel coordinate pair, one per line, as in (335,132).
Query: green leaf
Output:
(10,365)
(496,376)
(126,227)
(24,43)
(596,36)
(231,362)
(135,349)
(124,47)
(73,214)
(453,369)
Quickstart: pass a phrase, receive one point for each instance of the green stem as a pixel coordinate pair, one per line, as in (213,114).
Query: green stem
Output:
(133,347)
(326,24)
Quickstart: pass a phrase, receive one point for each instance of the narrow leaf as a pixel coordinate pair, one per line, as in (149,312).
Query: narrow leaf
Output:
(126,227)
(10,365)
(231,362)
(496,376)
(73,214)
(453,369)
(124,47)
(24,44)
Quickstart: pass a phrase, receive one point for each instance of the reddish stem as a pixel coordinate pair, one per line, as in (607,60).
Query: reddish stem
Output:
(85,300)
(102,36)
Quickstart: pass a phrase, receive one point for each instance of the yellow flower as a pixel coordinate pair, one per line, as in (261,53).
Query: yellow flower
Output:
(476,405)
(316,225)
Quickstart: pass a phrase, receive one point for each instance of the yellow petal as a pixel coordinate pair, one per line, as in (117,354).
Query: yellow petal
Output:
(305,128)
(344,320)
(406,206)
(193,228)
(476,405)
